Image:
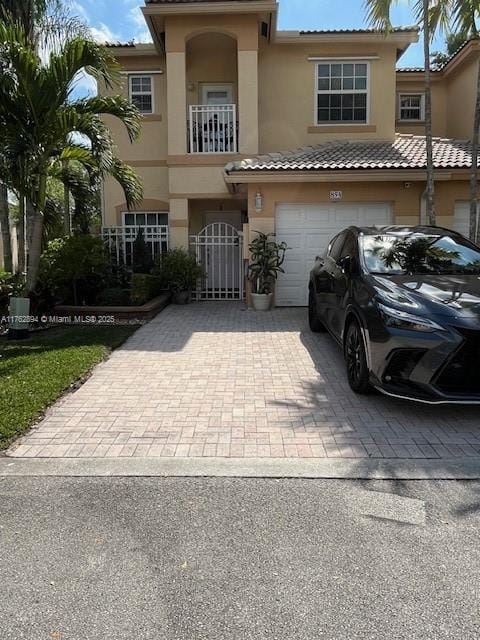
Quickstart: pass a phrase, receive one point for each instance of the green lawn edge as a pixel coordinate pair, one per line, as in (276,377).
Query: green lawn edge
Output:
(36,372)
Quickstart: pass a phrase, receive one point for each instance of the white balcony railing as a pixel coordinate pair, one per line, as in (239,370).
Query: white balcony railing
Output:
(213,128)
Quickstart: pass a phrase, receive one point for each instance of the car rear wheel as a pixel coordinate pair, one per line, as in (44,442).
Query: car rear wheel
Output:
(356,360)
(315,324)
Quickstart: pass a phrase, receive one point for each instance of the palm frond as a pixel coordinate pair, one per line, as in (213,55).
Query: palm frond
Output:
(379,14)
(129,181)
(116,106)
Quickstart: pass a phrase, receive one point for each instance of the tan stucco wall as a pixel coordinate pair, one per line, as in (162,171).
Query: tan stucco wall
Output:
(461,89)
(405,202)
(152,144)
(156,194)
(439,107)
(287,92)
(180,29)
(197,181)
(211,58)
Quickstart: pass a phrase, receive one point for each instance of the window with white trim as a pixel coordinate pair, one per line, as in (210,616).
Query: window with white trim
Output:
(342,92)
(411,107)
(154,225)
(141,93)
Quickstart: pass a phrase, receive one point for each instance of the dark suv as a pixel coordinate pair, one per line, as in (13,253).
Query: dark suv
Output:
(404,304)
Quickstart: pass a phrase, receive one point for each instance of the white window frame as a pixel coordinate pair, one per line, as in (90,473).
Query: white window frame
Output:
(216,86)
(317,92)
(145,213)
(405,94)
(151,93)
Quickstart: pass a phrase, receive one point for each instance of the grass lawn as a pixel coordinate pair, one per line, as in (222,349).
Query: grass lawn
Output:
(35,372)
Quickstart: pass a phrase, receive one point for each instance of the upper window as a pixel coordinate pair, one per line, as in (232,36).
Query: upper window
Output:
(411,107)
(342,92)
(141,93)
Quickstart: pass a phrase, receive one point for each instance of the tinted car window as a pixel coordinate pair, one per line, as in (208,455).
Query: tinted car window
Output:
(420,253)
(350,247)
(336,246)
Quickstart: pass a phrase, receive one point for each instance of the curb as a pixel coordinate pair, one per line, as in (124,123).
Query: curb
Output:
(346,469)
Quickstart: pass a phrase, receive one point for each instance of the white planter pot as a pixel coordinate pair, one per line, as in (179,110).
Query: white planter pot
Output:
(19,311)
(262,301)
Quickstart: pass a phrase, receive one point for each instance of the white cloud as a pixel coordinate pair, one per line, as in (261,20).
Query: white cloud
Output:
(79,10)
(103,34)
(141,32)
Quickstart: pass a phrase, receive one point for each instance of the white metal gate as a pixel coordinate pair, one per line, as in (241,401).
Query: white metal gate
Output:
(219,249)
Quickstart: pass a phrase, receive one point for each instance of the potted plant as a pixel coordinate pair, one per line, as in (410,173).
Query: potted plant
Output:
(267,258)
(179,273)
(15,304)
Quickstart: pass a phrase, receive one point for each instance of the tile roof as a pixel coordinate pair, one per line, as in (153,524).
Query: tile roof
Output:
(440,67)
(405,152)
(327,31)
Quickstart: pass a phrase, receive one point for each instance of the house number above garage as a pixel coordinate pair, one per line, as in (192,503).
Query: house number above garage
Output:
(336,195)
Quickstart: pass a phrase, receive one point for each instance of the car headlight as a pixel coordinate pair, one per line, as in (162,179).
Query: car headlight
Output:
(402,320)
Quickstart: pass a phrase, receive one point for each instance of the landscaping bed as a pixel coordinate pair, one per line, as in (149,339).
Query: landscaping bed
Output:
(36,372)
(132,314)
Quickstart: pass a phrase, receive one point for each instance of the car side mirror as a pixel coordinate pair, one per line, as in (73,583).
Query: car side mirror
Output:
(346,264)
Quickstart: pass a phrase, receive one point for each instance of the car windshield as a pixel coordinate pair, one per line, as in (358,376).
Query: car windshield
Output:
(420,253)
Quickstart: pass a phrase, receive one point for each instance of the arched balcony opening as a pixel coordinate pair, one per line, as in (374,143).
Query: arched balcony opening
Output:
(212,93)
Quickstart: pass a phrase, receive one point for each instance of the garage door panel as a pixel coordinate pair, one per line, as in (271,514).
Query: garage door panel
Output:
(295,241)
(461,220)
(308,229)
(293,266)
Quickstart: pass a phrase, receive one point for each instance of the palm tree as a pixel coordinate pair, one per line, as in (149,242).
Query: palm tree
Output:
(465,14)
(38,119)
(45,24)
(429,12)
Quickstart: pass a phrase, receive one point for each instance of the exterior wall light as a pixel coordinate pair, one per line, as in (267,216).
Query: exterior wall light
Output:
(258,202)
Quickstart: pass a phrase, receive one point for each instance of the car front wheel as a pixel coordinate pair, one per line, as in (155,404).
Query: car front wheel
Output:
(315,324)
(356,360)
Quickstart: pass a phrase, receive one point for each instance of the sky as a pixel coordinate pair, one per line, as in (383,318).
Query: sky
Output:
(122,20)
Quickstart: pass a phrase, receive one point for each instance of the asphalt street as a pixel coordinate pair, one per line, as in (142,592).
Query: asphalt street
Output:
(233,559)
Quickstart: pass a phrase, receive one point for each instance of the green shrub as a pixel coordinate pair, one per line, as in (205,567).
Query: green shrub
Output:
(145,287)
(10,285)
(142,255)
(114,297)
(178,270)
(74,270)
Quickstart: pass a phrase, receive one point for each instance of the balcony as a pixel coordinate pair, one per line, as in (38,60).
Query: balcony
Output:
(213,129)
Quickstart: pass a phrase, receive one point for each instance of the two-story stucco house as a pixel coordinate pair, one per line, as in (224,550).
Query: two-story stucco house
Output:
(248,128)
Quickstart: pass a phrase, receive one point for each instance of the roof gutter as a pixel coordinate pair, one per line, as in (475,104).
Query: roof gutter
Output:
(360,175)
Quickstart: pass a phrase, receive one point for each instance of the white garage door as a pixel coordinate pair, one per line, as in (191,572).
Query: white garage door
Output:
(308,229)
(461,221)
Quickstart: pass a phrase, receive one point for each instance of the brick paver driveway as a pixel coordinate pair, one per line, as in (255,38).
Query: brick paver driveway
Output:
(213,379)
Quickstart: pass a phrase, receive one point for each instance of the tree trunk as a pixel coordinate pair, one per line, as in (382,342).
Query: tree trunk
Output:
(474,227)
(67,227)
(21,262)
(36,236)
(430,192)
(5,228)
(34,247)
